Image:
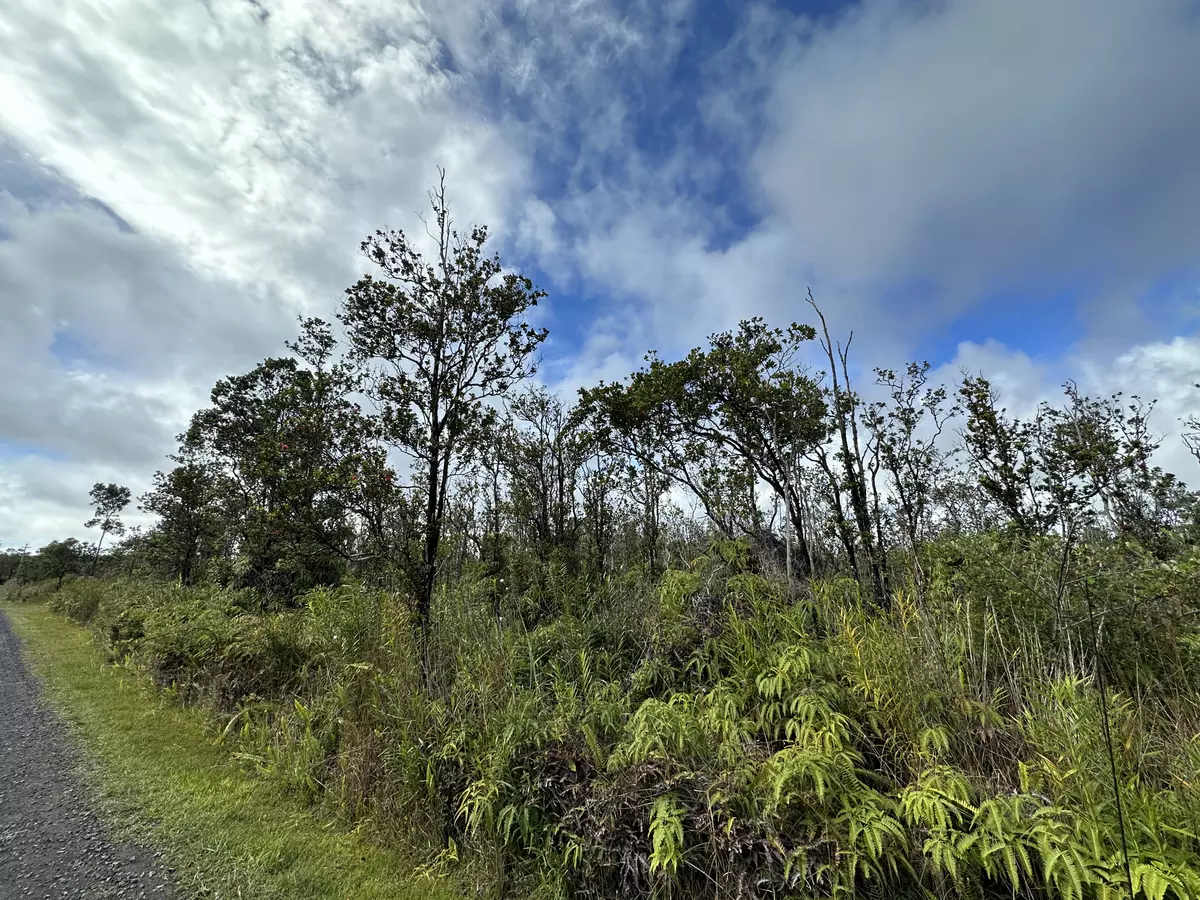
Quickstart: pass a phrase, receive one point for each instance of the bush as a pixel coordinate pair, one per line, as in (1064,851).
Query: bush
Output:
(718,733)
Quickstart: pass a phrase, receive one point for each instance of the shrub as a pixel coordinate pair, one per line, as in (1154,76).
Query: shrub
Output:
(719,733)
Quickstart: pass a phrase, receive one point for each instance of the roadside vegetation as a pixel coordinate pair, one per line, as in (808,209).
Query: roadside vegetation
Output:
(732,627)
(225,833)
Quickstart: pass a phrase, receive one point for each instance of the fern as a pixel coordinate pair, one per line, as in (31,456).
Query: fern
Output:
(662,731)
(666,834)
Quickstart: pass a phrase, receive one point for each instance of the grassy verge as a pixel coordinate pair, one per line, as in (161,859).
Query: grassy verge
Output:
(227,833)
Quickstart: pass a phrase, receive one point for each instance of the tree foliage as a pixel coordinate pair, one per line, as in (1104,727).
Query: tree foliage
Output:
(61,558)
(108,500)
(746,623)
(741,406)
(439,338)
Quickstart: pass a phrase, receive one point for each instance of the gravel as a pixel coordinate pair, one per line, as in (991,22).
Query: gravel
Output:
(52,842)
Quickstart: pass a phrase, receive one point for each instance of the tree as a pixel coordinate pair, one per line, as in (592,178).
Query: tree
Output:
(1003,452)
(12,563)
(599,486)
(625,428)
(439,338)
(722,419)
(543,458)
(1069,467)
(906,431)
(849,472)
(1191,433)
(302,462)
(187,501)
(107,502)
(59,558)
(133,549)
(1107,447)
(770,411)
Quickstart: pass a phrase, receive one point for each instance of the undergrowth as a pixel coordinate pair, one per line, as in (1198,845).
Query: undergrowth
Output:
(718,733)
(160,780)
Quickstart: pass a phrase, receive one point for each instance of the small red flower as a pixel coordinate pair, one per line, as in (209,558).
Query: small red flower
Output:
(283,446)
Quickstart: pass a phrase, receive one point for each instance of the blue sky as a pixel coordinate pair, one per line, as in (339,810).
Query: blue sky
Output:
(1003,187)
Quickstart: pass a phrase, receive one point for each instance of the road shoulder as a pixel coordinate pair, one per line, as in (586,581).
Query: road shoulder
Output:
(158,772)
(53,840)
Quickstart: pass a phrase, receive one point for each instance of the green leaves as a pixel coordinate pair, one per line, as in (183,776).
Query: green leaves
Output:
(720,419)
(60,558)
(107,501)
(294,468)
(437,339)
(666,834)
(1086,463)
(668,732)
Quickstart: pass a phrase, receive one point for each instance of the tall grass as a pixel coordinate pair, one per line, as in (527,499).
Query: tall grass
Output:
(160,779)
(1026,725)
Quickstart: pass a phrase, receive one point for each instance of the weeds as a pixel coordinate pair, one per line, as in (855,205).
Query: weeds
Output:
(715,734)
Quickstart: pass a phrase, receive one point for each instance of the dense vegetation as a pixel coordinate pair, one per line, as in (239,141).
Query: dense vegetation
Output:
(725,629)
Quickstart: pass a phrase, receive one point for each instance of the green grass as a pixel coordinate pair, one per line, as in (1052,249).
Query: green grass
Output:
(157,769)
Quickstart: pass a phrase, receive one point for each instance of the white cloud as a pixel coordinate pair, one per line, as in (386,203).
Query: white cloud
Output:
(108,343)
(969,145)
(980,142)
(250,147)
(1021,381)
(40,499)
(1166,372)
(262,150)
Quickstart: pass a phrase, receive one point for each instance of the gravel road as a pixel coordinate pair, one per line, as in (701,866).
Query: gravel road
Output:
(52,843)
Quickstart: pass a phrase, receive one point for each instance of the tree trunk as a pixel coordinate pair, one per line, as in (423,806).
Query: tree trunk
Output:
(787,549)
(428,567)
(96,556)
(804,552)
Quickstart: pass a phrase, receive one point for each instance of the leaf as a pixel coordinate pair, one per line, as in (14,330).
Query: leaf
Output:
(666,834)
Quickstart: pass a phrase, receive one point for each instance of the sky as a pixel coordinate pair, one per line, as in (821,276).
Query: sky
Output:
(1008,188)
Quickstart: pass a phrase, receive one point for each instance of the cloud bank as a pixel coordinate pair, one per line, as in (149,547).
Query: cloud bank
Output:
(179,180)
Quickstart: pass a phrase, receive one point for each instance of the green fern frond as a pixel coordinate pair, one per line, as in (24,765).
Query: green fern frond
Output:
(666,834)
